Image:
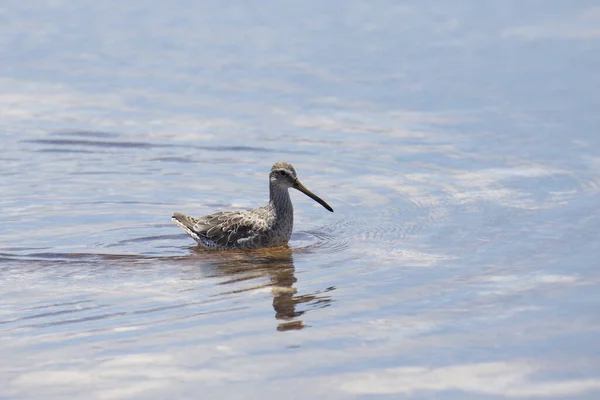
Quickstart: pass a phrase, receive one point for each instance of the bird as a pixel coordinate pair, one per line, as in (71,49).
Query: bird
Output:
(267,226)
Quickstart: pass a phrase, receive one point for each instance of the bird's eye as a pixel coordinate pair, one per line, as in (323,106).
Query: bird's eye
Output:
(282,173)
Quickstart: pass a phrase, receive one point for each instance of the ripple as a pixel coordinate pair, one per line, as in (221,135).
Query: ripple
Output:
(146,239)
(96,134)
(401,222)
(95,143)
(321,241)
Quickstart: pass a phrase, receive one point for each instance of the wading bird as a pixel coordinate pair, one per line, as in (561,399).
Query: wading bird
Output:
(266,226)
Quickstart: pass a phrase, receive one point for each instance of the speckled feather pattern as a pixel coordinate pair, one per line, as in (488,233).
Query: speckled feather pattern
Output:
(266,226)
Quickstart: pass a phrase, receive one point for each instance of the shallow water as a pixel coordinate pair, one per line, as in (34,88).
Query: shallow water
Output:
(458,145)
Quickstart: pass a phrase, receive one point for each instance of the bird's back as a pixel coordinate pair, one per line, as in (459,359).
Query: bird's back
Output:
(232,229)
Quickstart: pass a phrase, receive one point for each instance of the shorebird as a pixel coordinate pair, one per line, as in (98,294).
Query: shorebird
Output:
(266,226)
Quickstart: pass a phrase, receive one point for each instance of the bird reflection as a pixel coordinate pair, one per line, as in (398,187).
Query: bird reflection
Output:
(237,271)
(277,264)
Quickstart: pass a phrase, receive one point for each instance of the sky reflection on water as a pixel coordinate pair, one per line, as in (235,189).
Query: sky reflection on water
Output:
(457,143)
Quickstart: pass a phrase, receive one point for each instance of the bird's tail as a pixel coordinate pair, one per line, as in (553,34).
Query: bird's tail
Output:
(187,224)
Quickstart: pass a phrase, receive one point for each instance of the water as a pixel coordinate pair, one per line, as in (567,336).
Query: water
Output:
(457,142)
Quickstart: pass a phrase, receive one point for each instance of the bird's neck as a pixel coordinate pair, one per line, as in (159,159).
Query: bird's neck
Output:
(280,200)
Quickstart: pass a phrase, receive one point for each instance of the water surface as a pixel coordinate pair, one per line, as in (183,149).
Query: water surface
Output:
(457,142)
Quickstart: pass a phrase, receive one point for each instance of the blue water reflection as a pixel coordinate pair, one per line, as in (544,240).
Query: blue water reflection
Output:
(457,142)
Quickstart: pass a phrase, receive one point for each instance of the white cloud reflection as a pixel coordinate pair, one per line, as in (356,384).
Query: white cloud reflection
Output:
(506,379)
(585,25)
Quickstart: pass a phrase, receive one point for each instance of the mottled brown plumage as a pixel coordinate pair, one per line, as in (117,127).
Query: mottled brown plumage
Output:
(266,226)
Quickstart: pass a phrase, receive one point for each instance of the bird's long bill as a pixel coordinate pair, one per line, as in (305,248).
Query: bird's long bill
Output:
(303,189)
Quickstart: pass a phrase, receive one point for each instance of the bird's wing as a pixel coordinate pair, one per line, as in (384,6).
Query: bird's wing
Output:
(222,229)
